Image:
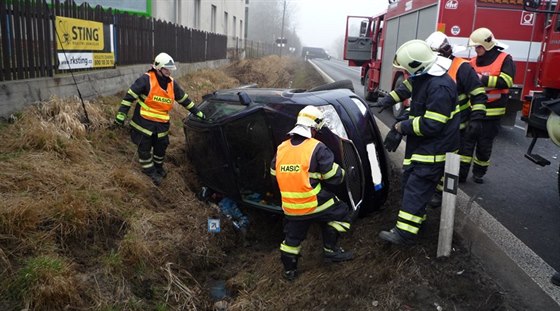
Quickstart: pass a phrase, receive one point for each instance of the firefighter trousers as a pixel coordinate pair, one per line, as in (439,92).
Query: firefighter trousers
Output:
(418,186)
(295,229)
(476,148)
(148,145)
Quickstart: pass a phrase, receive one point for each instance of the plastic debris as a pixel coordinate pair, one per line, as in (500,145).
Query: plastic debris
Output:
(229,208)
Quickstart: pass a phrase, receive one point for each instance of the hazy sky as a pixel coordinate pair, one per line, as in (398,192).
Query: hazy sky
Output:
(321,22)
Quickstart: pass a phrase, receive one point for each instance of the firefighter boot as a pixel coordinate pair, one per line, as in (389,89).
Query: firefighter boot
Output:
(160,170)
(154,176)
(555,279)
(332,252)
(395,237)
(290,265)
(337,254)
(435,202)
(477,179)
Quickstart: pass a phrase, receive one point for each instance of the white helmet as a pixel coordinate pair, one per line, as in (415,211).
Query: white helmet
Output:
(439,43)
(415,56)
(484,37)
(163,60)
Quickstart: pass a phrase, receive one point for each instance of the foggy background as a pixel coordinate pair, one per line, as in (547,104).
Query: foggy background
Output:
(316,23)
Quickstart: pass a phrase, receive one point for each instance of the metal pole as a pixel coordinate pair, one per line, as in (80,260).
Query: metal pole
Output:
(450,185)
(282,31)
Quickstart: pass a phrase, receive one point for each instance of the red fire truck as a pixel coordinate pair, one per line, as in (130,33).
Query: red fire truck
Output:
(543,112)
(371,42)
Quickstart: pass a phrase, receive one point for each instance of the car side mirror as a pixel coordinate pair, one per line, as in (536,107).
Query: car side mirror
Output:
(244,98)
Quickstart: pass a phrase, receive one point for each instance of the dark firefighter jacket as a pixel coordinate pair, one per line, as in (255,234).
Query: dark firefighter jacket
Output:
(317,165)
(140,90)
(433,126)
(470,91)
(497,82)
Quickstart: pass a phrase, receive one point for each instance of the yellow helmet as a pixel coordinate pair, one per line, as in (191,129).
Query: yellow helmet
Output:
(553,128)
(414,56)
(311,117)
(484,37)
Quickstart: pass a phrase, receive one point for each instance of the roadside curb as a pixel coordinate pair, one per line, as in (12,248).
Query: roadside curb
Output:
(506,258)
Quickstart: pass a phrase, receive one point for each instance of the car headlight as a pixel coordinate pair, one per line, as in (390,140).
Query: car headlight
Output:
(333,121)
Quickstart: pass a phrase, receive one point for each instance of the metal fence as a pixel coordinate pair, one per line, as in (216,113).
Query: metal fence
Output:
(28,38)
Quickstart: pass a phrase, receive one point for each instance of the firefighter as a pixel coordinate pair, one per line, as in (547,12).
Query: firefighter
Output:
(555,279)
(301,167)
(155,91)
(471,96)
(432,130)
(496,70)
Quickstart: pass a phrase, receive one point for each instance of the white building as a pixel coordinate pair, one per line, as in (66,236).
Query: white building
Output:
(226,17)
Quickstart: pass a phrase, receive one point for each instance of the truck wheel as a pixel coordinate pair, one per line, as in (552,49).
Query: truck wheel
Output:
(398,107)
(371,96)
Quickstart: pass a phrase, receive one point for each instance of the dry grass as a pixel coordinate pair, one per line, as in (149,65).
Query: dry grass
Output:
(82,228)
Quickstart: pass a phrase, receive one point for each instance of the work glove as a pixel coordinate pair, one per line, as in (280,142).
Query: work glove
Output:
(201,115)
(384,103)
(392,140)
(475,127)
(119,119)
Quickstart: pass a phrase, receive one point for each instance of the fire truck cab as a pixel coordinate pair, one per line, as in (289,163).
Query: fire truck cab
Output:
(371,41)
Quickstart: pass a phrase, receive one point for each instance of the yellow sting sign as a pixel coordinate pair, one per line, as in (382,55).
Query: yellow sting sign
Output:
(78,34)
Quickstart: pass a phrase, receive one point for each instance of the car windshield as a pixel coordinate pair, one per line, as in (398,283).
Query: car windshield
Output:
(215,109)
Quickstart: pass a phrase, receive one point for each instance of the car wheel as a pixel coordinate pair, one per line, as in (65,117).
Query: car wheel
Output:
(342,84)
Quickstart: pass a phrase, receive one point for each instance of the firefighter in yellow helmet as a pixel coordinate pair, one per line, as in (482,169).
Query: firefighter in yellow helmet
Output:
(301,166)
(155,92)
(496,70)
(432,130)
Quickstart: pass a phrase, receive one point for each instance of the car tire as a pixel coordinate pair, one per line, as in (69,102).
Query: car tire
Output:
(342,84)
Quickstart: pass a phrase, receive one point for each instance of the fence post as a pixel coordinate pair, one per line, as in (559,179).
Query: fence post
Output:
(450,186)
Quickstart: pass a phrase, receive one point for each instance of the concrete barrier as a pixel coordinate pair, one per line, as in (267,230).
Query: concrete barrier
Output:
(15,95)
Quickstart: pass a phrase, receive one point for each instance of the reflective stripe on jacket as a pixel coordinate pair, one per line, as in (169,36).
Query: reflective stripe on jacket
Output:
(299,197)
(159,102)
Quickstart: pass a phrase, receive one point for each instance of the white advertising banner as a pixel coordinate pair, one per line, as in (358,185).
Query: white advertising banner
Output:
(81,60)
(75,60)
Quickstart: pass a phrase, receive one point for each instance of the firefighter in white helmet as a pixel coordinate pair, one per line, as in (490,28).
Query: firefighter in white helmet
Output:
(432,130)
(496,70)
(301,167)
(471,96)
(155,92)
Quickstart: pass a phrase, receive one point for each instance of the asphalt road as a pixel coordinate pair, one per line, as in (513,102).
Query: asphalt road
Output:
(521,195)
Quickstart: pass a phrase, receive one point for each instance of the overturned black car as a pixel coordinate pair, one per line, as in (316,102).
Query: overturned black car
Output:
(232,148)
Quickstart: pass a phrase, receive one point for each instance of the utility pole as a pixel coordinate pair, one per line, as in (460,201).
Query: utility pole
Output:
(282,31)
